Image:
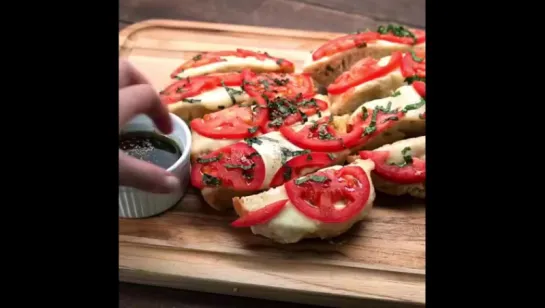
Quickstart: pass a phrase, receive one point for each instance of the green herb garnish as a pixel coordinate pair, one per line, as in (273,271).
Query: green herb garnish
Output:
(287,173)
(414,106)
(252,130)
(396,93)
(407,158)
(253,140)
(239,166)
(414,78)
(280,61)
(415,57)
(197,57)
(313,178)
(331,156)
(210,159)
(210,180)
(191,101)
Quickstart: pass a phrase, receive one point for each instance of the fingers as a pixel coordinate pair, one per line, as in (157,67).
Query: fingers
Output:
(145,176)
(129,76)
(142,99)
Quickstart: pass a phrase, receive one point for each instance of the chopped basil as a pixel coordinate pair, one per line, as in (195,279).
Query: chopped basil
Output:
(276,122)
(287,173)
(397,30)
(392,118)
(308,102)
(373,125)
(210,180)
(323,134)
(279,61)
(178,77)
(313,178)
(281,82)
(407,158)
(396,93)
(197,57)
(231,92)
(415,57)
(191,101)
(248,176)
(252,130)
(331,156)
(309,157)
(414,78)
(239,166)
(304,117)
(414,106)
(364,113)
(314,125)
(265,84)
(253,140)
(210,159)
(180,90)
(329,68)
(287,153)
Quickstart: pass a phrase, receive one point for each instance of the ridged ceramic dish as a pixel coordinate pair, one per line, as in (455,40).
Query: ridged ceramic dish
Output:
(134,203)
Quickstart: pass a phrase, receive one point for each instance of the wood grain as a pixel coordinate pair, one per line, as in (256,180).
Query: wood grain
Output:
(192,246)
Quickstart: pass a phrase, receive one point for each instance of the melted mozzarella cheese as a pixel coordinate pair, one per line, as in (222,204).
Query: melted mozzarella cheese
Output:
(290,225)
(407,96)
(417,145)
(219,96)
(270,150)
(231,63)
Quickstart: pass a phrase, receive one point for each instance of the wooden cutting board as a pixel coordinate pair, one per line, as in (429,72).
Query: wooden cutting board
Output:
(193,247)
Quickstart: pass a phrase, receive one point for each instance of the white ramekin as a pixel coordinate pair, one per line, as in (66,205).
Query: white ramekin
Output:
(135,203)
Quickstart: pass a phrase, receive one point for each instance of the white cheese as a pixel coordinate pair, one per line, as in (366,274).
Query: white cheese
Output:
(270,150)
(231,63)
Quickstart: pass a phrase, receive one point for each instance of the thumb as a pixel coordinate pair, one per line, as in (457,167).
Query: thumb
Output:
(145,176)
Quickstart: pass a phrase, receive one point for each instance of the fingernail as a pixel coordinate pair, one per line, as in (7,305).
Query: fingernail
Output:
(172,183)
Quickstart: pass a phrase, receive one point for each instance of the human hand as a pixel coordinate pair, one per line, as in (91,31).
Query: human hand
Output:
(137,96)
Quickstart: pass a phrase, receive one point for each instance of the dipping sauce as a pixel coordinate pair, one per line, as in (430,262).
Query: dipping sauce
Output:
(151,147)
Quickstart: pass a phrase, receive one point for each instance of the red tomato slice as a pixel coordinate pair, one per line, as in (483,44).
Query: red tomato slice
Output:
(193,86)
(272,85)
(294,167)
(414,64)
(316,197)
(285,65)
(362,71)
(321,136)
(235,166)
(235,122)
(203,59)
(411,173)
(420,88)
(260,216)
(418,34)
(213,57)
(283,111)
(373,122)
(344,43)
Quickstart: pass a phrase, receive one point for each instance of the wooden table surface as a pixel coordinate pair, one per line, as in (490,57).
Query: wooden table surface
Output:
(317,15)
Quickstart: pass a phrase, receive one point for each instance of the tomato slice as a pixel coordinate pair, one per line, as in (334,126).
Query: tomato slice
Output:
(285,65)
(362,71)
(283,111)
(414,64)
(295,166)
(235,122)
(270,85)
(217,56)
(321,136)
(260,216)
(237,166)
(420,88)
(402,35)
(344,43)
(316,196)
(408,173)
(373,122)
(193,86)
